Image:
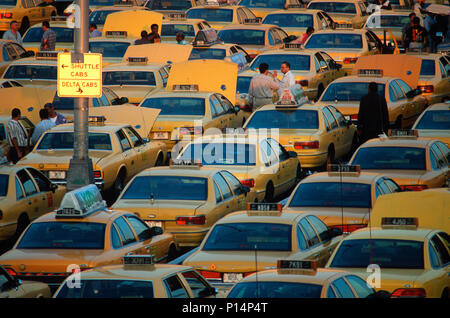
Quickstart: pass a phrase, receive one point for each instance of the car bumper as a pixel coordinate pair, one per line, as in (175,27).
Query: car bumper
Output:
(312,160)
(188,238)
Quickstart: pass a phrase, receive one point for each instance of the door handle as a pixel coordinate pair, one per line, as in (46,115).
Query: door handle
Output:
(132,162)
(228,206)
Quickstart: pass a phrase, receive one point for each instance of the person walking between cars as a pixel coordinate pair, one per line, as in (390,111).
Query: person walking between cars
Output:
(154,37)
(55,117)
(48,38)
(262,86)
(17,137)
(288,79)
(417,37)
(13,33)
(373,116)
(44,125)
(143,39)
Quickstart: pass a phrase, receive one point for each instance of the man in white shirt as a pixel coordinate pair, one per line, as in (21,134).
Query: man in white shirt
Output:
(13,33)
(288,79)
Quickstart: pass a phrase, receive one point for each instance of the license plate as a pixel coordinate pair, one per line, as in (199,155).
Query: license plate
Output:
(161,135)
(153,223)
(232,277)
(56,174)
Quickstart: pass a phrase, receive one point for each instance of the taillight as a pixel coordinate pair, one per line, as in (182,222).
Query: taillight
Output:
(191,220)
(409,292)
(354,117)
(426,88)
(349,228)
(248,274)
(301,145)
(97,174)
(350,60)
(303,83)
(248,183)
(11,271)
(6,15)
(191,130)
(253,55)
(414,187)
(210,275)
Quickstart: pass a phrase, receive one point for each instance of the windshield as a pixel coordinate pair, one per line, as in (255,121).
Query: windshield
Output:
(334,7)
(182,106)
(275,290)
(8,2)
(290,20)
(390,158)
(298,62)
(334,41)
(242,36)
(207,54)
(108,288)
(249,236)
(101,2)
(276,4)
(173,29)
(167,188)
(41,72)
(297,119)
(436,119)
(109,49)
(387,21)
(221,154)
(383,252)
(65,35)
(328,194)
(211,15)
(427,68)
(351,91)
(243,84)
(182,5)
(99,16)
(64,140)
(129,78)
(4,179)
(64,235)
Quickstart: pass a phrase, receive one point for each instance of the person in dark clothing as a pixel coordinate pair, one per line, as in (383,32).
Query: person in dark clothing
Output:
(417,36)
(373,117)
(143,39)
(154,37)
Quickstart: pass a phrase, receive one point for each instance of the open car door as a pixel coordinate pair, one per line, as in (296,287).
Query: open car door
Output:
(389,42)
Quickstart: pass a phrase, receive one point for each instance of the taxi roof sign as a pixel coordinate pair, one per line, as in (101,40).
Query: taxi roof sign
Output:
(344,168)
(96,119)
(264,209)
(292,46)
(253,21)
(137,60)
(294,264)
(185,163)
(185,87)
(116,34)
(177,16)
(138,260)
(395,222)
(47,55)
(81,202)
(399,133)
(370,72)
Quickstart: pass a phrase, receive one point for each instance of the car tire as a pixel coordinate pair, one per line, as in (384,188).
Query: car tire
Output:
(399,122)
(330,157)
(268,196)
(119,183)
(299,174)
(445,294)
(320,90)
(22,224)
(172,254)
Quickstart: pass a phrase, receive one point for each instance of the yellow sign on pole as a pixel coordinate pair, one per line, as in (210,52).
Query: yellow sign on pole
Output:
(80,79)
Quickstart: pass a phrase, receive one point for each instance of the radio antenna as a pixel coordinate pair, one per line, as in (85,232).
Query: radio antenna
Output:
(342,198)
(256,272)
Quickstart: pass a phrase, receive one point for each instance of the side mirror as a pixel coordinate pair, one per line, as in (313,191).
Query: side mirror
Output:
(337,65)
(123,100)
(145,140)
(53,187)
(208,291)
(28,54)
(237,109)
(292,154)
(245,189)
(155,230)
(335,232)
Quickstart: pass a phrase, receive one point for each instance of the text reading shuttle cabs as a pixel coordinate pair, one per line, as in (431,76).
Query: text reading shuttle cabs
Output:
(227,254)
(302,279)
(175,23)
(346,12)
(413,163)
(135,78)
(262,8)
(25,12)
(413,261)
(82,234)
(312,69)
(404,103)
(11,287)
(25,194)
(64,36)
(434,123)
(219,17)
(118,152)
(258,161)
(138,277)
(185,200)
(343,197)
(318,134)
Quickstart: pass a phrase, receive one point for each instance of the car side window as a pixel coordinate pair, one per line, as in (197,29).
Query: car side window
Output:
(19,191)
(360,286)
(441,250)
(439,155)
(5,282)
(392,96)
(322,63)
(43,183)
(174,287)
(377,191)
(320,227)
(124,142)
(404,86)
(134,136)
(311,236)
(301,241)
(342,288)
(20,50)
(226,104)
(234,182)
(164,76)
(271,39)
(331,120)
(384,188)
(241,15)
(126,234)
(330,292)
(195,282)
(433,160)
(11,52)
(398,91)
(216,106)
(316,63)
(446,66)
(115,239)
(217,193)
(392,185)
(279,150)
(434,258)
(340,118)
(139,227)
(27,183)
(444,149)
(223,186)
(267,154)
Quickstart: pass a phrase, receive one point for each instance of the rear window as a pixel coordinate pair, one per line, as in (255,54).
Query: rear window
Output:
(386,253)
(390,158)
(99,16)
(8,2)
(243,36)
(108,288)
(290,20)
(177,105)
(387,21)
(427,68)
(208,54)
(4,179)
(64,235)
(334,41)
(64,140)
(436,119)
(275,4)
(328,194)
(173,29)
(211,15)
(31,72)
(352,91)
(221,154)
(298,119)
(109,49)
(167,188)
(297,62)
(275,290)
(64,35)
(169,5)
(334,7)
(129,78)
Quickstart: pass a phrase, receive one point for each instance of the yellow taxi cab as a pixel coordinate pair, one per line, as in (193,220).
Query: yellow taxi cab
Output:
(184,199)
(345,46)
(296,22)
(135,78)
(434,123)
(82,234)
(347,12)
(117,150)
(165,53)
(262,8)
(318,134)
(404,103)
(414,163)
(434,80)
(302,279)
(65,36)
(220,16)
(25,195)
(257,160)
(138,277)
(11,51)
(172,7)
(26,125)
(254,240)
(195,101)
(254,37)
(399,257)
(312,69)
(26,13)
(11,287)
(176,23)
(343,197)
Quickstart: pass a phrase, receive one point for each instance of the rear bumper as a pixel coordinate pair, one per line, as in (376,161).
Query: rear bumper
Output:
(312,160)
(186,238)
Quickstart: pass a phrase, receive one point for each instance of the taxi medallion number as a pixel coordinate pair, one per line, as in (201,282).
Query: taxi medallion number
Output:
(161,135)
(232,277)
(153,223)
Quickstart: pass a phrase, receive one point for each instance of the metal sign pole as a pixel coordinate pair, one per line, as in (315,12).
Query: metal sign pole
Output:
(80,169)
